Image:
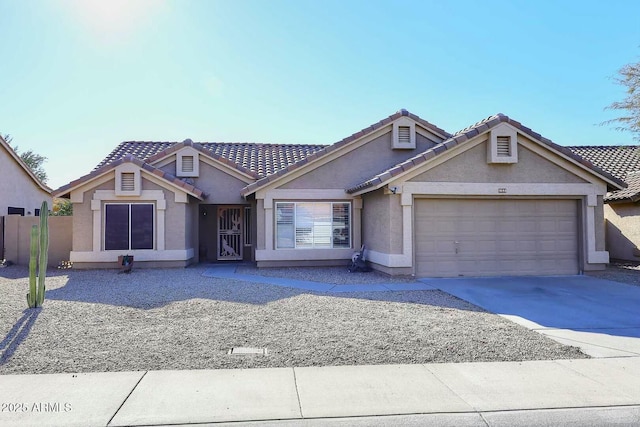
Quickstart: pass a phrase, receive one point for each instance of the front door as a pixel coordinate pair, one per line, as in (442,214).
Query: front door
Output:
(229,233)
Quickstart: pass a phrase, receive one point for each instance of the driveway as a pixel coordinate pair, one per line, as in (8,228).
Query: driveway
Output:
(599,316)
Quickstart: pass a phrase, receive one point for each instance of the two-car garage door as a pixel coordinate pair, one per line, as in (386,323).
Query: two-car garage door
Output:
(483,237)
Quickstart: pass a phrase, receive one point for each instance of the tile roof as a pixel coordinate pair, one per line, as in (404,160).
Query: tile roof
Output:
(466,134)
(258,160)
(622,162)
(631,193)
(128,158)
(617,160)
(249,189)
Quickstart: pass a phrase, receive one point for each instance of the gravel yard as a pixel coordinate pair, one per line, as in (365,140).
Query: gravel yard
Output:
(100,320)
(623,273)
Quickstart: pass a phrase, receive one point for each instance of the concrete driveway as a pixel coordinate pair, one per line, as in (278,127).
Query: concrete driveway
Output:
(599,316)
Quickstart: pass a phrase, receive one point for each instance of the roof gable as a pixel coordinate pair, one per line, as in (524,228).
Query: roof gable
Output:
(312,160)
(168,179)
(464,135)
(16,158)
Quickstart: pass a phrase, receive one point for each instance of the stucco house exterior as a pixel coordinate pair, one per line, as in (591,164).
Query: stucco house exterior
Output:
(622,207)
(21,192)
(495,198)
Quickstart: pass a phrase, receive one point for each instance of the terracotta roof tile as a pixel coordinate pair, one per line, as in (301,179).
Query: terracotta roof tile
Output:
(256,159)
(623,162)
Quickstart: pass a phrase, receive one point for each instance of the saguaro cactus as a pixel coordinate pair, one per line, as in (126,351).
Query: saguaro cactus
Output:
(40,249)
(33,255)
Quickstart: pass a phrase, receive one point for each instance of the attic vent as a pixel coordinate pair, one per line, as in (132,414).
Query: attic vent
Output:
(127,181)
(404,135)
(187,163)
(503,146)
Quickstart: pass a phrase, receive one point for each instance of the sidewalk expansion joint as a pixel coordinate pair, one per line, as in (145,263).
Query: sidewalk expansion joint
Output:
(295,384)
(126,398)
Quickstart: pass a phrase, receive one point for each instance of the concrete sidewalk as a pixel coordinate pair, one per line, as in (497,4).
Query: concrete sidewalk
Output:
(498,393)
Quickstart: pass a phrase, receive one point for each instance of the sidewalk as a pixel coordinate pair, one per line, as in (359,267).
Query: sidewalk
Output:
(455,394)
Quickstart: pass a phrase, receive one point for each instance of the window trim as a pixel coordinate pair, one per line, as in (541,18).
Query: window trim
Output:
(307,202)
(153,223)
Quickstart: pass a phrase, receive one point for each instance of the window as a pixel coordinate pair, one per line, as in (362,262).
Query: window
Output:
(308,225)
(128,226)
(15,211)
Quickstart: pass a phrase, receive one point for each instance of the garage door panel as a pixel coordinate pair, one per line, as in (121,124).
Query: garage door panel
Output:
(495,237)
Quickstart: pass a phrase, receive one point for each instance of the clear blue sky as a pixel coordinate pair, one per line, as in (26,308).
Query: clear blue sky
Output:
(79,76)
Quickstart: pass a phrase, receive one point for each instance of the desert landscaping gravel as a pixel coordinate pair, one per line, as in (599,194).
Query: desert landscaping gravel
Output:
(99,320)
(620,272)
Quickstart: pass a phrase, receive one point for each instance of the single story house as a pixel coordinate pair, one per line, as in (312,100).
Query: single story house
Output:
(495,198)
(622,207)
(21,192)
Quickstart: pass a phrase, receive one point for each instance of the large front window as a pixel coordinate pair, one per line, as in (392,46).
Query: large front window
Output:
(313,225)
(128,226)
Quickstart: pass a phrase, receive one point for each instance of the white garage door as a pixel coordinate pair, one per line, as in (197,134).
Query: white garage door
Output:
(480,237)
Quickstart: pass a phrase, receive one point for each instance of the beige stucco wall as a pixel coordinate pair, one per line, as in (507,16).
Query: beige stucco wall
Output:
(358,165)
(220,187)
(83,223)
(472,166)
(177,215)
(17,188)
(623,230)
(18,238)
(383,213)
(600,225)
(382,222)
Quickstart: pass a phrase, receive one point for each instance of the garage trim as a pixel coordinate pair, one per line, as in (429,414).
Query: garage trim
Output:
(409,190)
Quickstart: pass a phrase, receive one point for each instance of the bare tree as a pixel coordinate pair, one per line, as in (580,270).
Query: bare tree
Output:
(629,77)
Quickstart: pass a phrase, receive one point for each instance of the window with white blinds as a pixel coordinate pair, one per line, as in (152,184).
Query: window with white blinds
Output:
(313,225)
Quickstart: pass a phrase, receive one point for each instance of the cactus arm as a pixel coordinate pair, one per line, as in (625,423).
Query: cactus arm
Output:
(44,252)
(33,253)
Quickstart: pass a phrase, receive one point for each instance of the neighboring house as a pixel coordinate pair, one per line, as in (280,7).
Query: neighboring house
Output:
(21,192)
(493,199)
(621,209)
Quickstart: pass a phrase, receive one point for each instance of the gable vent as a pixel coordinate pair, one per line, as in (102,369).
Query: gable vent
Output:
(404,135)
(127,181)
(503,146)
(187,163)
